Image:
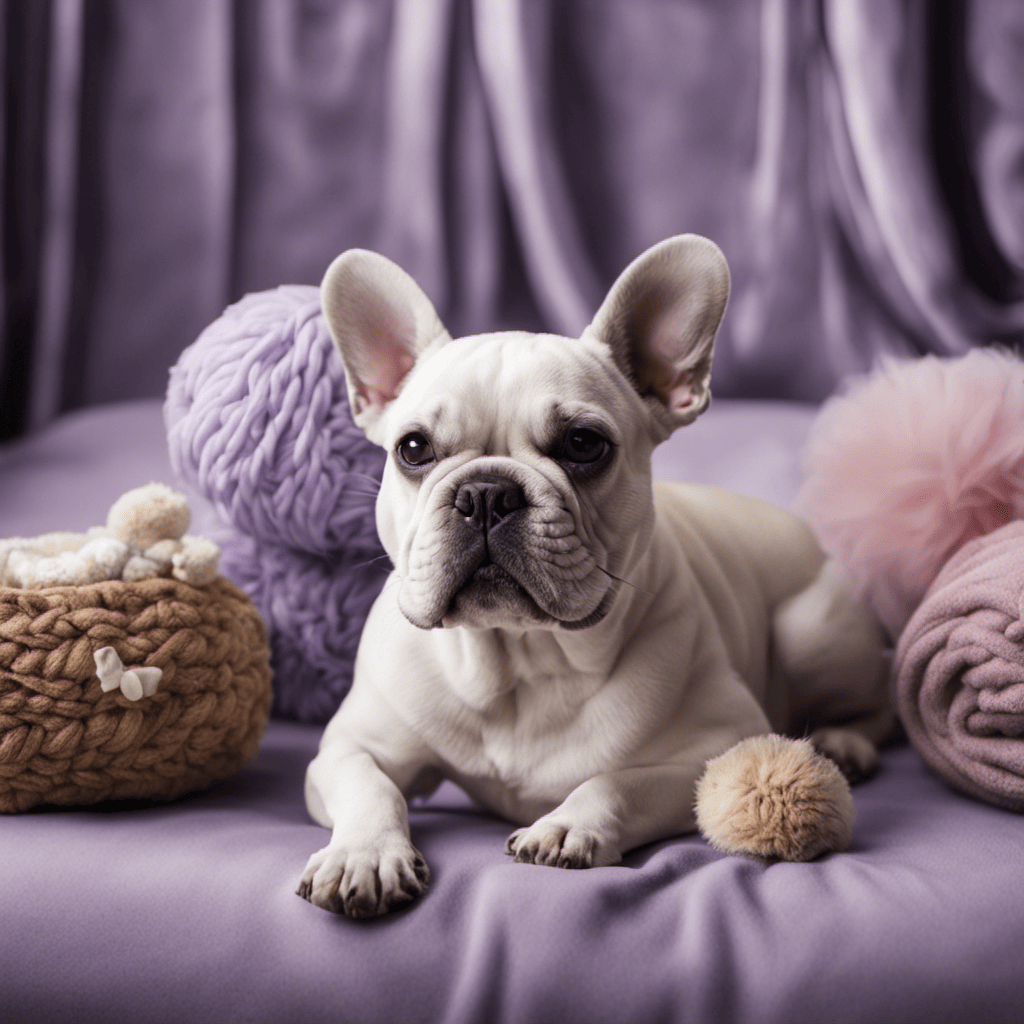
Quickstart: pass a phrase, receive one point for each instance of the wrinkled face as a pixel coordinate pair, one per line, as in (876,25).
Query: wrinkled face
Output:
(518,483)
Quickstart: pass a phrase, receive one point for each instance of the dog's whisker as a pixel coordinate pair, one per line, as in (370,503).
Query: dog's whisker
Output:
(361,484)
(371,561)
(355,475)
(628,584)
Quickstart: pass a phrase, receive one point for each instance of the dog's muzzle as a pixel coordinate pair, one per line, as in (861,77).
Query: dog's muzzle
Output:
(499,546)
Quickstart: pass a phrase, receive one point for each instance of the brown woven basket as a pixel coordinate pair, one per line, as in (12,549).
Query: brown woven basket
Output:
(64,741)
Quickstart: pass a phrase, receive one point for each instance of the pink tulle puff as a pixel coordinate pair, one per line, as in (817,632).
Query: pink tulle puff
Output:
(910,463)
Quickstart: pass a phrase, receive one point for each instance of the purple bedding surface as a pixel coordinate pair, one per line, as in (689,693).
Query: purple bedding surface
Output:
(187,912)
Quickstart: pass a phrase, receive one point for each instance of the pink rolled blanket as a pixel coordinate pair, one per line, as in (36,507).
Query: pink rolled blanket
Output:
(959,670)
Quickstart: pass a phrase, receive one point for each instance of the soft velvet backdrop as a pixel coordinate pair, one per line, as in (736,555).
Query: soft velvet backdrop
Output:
(861,162)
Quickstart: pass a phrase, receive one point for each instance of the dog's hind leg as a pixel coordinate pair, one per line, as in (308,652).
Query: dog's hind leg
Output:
(828,652)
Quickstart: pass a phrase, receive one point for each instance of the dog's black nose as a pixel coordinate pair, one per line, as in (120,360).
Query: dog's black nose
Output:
(485,502)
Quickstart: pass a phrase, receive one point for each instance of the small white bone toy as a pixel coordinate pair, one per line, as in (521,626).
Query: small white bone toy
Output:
(144,537)
(134,683)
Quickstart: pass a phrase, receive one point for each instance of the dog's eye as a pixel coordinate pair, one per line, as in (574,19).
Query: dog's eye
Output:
(415,450)
(582,445)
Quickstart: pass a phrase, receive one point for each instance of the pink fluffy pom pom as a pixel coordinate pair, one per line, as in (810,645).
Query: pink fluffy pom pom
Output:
(909,464)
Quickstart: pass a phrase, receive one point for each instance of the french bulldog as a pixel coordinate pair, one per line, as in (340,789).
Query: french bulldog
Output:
(565,639)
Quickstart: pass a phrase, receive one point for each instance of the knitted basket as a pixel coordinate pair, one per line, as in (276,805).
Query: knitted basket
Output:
(64,741)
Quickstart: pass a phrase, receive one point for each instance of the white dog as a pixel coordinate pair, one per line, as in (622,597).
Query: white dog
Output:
(567,641)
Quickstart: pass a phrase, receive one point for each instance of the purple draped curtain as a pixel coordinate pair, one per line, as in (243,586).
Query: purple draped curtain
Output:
(861,162)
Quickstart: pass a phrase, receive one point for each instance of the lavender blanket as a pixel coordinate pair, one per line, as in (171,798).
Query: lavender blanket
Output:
(960,670)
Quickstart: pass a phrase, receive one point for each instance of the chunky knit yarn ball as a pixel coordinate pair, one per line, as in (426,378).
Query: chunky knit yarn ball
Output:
(314,608)
(258,422)
(911,463)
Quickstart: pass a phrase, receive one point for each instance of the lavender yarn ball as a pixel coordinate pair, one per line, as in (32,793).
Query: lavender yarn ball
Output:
(258,421)
(314,608)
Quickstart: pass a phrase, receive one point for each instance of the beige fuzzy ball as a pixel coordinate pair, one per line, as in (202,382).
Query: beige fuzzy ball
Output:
(775,797)
(148,514)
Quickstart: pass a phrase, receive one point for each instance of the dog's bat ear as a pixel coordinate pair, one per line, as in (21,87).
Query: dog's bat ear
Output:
(660,319)
(381,321)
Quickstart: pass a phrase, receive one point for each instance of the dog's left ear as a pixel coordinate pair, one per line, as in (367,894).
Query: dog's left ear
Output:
(660,320)
(381,322)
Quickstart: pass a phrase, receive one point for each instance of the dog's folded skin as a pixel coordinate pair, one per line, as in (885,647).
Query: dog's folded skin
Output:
(566,640)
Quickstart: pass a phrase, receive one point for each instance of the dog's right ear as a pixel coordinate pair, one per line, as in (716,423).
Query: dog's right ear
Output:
(381,321)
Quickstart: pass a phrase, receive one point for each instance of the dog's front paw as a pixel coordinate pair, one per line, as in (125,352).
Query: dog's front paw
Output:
(557,845)
(854,754)
(364,881)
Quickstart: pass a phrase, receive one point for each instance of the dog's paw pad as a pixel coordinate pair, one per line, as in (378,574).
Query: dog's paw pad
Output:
(552,844)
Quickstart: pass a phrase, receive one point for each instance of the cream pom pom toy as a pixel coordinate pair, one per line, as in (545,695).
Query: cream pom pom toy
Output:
(775,797)
(144,537)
